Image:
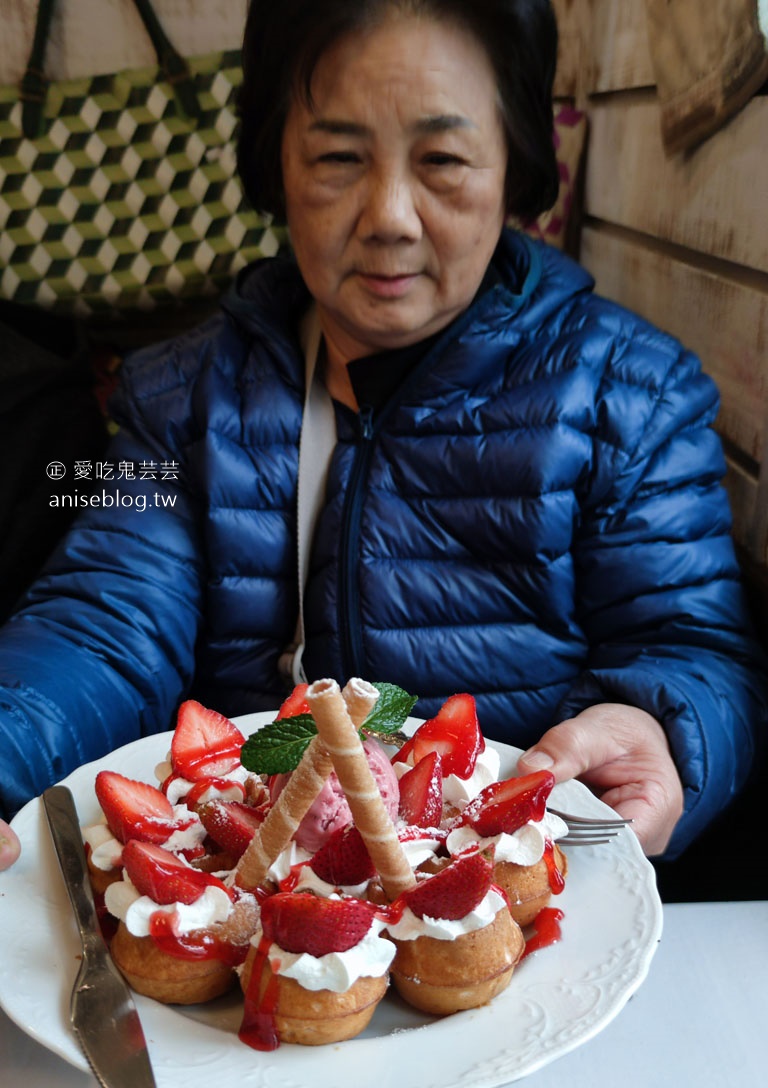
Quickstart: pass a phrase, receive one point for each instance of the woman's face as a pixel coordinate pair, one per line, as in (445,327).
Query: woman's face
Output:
(394,182)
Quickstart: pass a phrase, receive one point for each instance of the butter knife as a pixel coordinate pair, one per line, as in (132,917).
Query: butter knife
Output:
(102,1010)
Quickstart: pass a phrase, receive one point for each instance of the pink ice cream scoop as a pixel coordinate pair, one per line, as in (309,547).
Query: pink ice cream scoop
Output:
(330,809)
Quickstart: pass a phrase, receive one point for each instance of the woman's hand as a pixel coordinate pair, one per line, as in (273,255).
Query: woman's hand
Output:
(622,754)
(10,847)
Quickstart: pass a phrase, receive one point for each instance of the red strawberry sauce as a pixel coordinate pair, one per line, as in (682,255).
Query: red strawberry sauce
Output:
(547,927)
(201,945)
(259,1025)
(556,878)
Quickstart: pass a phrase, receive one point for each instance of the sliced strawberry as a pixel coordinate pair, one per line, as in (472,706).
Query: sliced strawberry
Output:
(226,789)
(302,922)
(296,703)
(164,877)
(231,824)
(205,744)
(421,792)
(454,891)
(506,806)
(192,853)
(454,733)
(135,810)
(344,859)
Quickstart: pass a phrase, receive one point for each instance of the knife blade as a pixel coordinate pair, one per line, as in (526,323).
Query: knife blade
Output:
(102,1010)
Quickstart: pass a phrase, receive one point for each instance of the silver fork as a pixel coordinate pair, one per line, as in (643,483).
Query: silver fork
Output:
(587,830)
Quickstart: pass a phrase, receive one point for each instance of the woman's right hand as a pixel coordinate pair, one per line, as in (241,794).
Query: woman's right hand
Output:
(622,754)
(10,847)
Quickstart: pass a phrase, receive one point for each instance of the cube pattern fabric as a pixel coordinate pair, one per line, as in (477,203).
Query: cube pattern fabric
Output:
(124,202)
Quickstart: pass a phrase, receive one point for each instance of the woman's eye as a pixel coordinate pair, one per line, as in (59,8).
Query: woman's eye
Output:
(443,158)
(339,157)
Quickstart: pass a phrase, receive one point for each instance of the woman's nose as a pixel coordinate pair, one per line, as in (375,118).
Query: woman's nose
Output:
(389,212)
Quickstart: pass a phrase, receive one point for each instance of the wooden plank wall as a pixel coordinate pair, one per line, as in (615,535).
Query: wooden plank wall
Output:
(681,240)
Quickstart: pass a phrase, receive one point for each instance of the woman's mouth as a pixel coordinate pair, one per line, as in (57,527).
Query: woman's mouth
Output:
(388,286)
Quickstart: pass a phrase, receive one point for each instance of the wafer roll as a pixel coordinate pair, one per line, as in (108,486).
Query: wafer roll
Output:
(341,739)
(284,817)
(360,698)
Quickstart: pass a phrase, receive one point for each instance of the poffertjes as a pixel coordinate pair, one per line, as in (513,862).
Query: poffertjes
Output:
(427,899)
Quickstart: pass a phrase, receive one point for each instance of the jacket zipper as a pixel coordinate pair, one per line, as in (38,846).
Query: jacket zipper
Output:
(350,623)
(350,620)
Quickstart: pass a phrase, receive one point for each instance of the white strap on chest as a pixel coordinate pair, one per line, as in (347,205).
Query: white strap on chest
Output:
(318,438)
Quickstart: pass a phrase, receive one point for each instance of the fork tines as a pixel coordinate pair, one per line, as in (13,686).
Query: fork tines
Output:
(589,831)
(586,840)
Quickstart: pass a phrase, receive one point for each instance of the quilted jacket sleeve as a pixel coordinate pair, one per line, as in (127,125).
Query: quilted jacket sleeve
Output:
(104,646)
(658,581)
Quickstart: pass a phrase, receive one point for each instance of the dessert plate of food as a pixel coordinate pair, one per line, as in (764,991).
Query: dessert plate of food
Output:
(541,997)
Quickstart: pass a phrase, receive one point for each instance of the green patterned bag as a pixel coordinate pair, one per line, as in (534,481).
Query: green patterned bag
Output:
(123,199)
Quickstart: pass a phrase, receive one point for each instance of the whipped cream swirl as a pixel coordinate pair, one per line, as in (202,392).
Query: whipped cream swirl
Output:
(124,901)
(336,971)
(523,847)
(106,850)
(178,787)
(410,926)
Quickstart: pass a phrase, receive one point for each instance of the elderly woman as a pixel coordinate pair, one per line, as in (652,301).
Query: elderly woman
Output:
(521,499)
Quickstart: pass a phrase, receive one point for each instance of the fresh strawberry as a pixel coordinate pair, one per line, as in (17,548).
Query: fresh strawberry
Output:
(454,891)
(454,733)
(135,810)
(508,805)
(296,703)
(164,877)
(231,824)
(205,744)
(421,792)
(302,922)
(344,859)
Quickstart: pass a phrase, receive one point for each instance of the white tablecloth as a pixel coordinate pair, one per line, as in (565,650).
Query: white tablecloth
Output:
(698,1021)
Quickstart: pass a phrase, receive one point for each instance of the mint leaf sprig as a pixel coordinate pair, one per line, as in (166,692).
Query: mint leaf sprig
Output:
(279,746)
(390,710)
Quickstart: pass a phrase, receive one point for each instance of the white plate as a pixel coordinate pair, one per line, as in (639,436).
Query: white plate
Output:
(559,997)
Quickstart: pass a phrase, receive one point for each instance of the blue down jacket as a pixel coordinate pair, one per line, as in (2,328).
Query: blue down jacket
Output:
(535,517)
